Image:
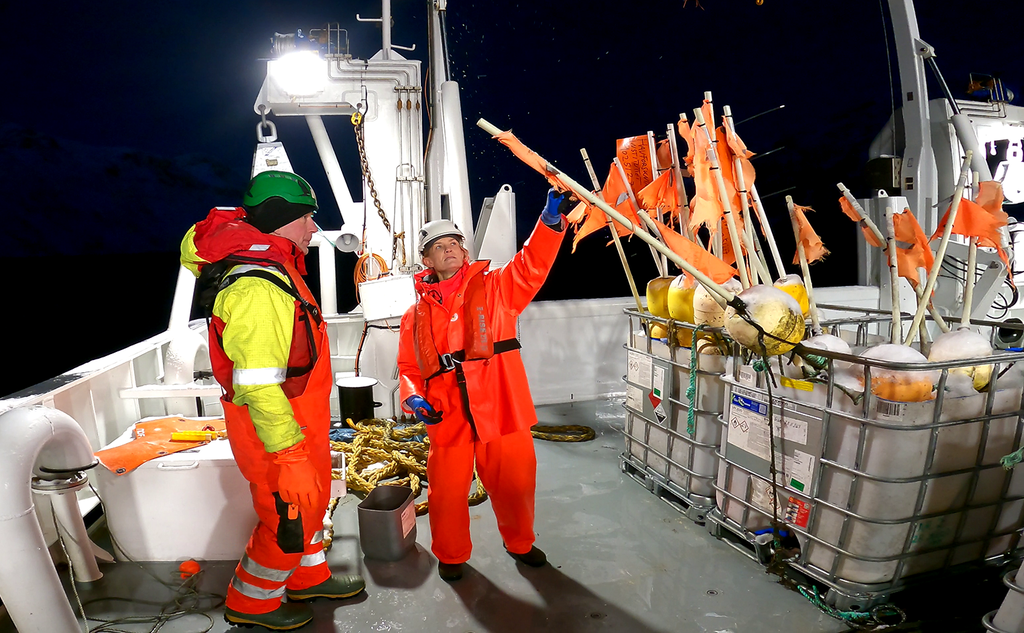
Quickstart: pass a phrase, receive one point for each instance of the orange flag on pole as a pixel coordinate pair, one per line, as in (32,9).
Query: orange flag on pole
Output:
(661,194)
(531,158)
(813,248)
(634,153)
(851,213)
(706,207)
(738,149)
(912,250)
(683,127)
(716,269)
(974,220)
(590,219)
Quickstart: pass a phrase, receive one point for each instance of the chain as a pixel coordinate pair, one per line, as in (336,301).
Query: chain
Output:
(357,122)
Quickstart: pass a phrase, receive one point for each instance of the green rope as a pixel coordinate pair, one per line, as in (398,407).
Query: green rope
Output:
(818,362)
(873,620)
(1011,460)
(760,365)
(691,391)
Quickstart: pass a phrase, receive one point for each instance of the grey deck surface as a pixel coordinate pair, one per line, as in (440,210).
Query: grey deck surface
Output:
(621,560)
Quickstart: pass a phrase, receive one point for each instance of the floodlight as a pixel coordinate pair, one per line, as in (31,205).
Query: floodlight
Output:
(299,74)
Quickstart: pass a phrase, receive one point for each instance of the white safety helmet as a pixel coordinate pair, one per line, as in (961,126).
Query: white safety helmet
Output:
(438,229)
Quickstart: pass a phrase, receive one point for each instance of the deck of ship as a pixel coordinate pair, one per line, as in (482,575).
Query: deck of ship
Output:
(621,560)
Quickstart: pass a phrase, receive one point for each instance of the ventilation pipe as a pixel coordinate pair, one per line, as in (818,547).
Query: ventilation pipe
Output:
(50,445)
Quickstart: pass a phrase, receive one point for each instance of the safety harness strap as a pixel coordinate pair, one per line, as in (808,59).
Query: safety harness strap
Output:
(451,362)
(310,310)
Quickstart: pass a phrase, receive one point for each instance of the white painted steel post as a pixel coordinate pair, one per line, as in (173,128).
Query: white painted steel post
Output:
(181,306)
(342,196)
(456,173)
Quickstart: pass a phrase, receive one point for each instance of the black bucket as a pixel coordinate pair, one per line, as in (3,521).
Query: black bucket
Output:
(355,398)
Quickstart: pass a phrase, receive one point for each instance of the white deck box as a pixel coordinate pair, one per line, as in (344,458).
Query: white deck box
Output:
(192,504)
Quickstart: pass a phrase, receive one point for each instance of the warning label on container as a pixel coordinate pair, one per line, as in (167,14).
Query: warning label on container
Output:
(748,424)
(635,398)
(797,512)
(638,369)
(660,413)
(762,495)
(408,519)
(799,469)
(658,384)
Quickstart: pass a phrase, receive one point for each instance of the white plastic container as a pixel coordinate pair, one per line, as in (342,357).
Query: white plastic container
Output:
(192,504)
(899,454)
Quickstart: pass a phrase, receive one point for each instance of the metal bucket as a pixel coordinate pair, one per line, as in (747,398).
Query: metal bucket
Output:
(387,523)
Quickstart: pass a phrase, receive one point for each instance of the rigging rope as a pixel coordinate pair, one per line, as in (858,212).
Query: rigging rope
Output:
(389,453)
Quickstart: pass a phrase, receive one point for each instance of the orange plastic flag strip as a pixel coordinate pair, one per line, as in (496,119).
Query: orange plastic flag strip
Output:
(974,220)
(706,208)
(590,219)
(814,250)
(738,149)
(683,127)
(912,250)
(664,154)
(660,194)
(851,213)
(152,440)
(634,153)
(531,158)
(728,167)
(716,269)
(990,197)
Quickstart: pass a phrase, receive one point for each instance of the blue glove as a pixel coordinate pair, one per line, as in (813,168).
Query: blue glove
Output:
(422,410)
(550,215)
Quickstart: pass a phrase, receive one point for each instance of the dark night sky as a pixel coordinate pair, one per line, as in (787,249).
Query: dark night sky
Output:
(179,78)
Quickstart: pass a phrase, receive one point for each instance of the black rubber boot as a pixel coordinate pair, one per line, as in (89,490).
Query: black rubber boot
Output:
(288,616)
(534,558)
(334,588)
(449,573)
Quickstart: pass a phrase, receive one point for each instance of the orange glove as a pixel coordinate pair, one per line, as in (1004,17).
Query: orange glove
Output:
(298,483)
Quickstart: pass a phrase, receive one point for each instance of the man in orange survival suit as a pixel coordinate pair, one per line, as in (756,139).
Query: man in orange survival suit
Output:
(270,353)
(461,373)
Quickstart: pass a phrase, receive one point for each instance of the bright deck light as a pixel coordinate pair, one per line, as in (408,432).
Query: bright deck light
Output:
(300,74)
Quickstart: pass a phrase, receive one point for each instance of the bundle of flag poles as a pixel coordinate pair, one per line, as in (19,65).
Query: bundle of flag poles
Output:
(710,235)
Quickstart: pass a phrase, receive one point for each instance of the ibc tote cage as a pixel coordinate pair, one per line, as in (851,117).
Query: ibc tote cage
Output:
(676,463)
(960,508)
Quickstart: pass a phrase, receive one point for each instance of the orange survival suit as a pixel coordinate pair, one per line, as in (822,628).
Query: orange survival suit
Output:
(266,571)
(469,337)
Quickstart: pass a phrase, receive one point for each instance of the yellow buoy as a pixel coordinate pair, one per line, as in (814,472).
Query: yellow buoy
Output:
(657,296)
(793,285)
(680,306)
(775,312)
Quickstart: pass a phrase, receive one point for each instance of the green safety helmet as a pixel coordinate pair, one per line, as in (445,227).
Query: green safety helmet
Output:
(289,187)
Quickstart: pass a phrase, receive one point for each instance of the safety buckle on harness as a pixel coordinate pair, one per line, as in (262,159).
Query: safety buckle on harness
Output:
(447,362)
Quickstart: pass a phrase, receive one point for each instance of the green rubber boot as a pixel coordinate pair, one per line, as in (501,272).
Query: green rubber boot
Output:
(334,588)
(288,616)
